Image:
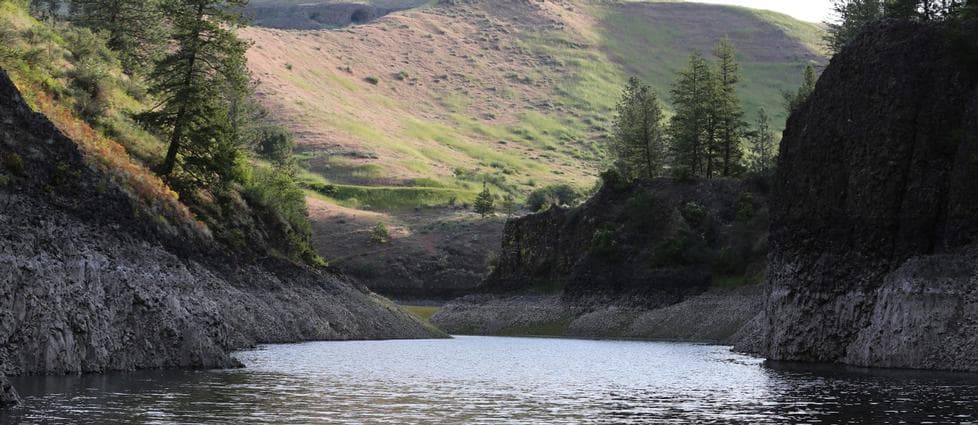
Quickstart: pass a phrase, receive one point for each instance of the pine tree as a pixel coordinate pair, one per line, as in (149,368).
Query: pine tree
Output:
(692,128)
(135,28)
(197,82)
(638,139)
(793,100)
(485,205)
(729,116)
(45,9)
(853,16)
(762,149)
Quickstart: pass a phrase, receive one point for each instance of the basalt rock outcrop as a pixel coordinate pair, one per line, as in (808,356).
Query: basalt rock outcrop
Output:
(874,212)
(93,280)
(651,242)
(641,260)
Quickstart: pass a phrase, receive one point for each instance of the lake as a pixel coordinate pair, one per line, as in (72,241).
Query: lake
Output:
(476,380)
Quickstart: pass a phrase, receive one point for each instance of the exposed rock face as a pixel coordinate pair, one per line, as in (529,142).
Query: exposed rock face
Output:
(90,282)
(716,316)
(8,395)
(637,260)
(875,208)
(654,242)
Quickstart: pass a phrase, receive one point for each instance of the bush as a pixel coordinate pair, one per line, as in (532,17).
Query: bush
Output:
(13,163)
(744,207)
(560,194)
(275,143)
(603,242)
(372,80)
(275,190)
(380,234)
(90,86)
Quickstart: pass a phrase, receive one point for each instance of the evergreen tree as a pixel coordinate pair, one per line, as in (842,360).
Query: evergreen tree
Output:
(485,205)
(692,128)
(45,9)
(135,28)
(729,116)
(852,17)
(197,81)
(793,100)
(762,149)
(638,139)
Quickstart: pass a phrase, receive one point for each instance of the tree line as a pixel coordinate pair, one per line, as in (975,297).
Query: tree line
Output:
(853,15)
(708,135)
(184,64)
(193,64)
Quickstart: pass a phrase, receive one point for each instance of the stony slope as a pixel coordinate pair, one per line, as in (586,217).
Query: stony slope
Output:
(874,226)
(93,279)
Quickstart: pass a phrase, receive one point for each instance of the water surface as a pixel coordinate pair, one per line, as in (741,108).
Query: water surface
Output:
(475,380)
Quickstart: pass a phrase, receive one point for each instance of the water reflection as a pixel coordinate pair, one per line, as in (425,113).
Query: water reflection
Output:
(501,380)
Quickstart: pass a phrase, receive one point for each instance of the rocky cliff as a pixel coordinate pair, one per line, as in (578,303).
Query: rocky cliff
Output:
(635,260)
(652,242)
(93,279)
(874,213)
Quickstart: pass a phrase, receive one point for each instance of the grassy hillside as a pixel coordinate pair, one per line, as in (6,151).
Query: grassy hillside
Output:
(422,106)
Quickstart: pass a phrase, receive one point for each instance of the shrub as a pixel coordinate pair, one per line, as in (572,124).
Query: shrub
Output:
(603,242)
(276,144)
(694,214)
(380,234)
(13,163)
(744,206)
(372,80)
(560,194)
(275,190)
(401,76)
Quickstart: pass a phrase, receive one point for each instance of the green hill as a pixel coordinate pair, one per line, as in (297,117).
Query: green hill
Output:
(519,94)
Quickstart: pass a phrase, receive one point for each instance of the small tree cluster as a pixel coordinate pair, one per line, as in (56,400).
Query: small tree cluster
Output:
(853,15)
(704,138)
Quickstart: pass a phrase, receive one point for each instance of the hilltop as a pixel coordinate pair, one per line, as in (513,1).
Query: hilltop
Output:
(418,108)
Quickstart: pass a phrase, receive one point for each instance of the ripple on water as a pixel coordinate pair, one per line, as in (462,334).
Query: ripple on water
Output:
(476,380)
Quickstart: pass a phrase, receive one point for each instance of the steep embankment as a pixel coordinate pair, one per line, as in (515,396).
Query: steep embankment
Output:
(661,259)
(874,259)
(92,278)
(420,107)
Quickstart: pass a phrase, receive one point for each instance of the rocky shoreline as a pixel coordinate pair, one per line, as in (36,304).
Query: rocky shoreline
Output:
(93,278)
(716,316)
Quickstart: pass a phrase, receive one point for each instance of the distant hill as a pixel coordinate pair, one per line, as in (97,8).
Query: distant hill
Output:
(418,108)
(423,105)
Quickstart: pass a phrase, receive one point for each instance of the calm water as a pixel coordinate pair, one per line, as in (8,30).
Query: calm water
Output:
(500,380)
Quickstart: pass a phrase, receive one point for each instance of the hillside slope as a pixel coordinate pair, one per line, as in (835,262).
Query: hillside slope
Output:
(517,92)
(420,107)
(94,279)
